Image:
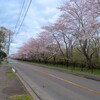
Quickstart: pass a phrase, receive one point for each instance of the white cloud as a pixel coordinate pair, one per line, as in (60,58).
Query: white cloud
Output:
(40,13)
(46,2)
(50,10)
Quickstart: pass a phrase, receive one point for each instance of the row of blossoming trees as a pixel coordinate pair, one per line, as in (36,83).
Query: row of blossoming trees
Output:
(74,39)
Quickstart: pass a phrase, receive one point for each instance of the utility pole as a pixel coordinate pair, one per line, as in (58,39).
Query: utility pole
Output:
(9,38)
(8,45)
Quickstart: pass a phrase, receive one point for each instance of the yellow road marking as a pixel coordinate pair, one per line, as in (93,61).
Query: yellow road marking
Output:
(67,81)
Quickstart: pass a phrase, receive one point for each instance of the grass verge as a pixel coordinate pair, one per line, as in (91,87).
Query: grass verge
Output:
(20,97)
(11,74)
(66,69)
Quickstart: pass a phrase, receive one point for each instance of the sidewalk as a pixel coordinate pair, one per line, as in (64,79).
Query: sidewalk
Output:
(9,86)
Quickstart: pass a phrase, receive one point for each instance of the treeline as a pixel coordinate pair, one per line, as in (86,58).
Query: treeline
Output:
(4,42)
(73,40)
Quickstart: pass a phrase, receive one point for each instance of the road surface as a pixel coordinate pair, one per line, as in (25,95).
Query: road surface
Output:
(55,85)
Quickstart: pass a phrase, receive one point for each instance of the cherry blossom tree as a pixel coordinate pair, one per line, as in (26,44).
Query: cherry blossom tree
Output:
(45,41)
(84,25)
(63,38)
(37,49)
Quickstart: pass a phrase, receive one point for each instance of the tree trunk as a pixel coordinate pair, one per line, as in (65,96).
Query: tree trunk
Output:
(89,63)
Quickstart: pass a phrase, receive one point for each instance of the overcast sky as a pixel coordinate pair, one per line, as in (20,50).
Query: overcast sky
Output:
(40,13)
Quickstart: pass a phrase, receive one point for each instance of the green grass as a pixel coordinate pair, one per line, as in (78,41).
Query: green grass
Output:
(20,97)
(77,69)
(11,74)
(69,69)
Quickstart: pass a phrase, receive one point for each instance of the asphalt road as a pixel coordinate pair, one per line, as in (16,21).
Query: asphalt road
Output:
(55,85)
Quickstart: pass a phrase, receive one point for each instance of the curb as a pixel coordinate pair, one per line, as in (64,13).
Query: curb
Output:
(88,76)
(29,89)
(31,92)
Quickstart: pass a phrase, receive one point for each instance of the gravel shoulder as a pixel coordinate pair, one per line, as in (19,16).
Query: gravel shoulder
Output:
(9,86)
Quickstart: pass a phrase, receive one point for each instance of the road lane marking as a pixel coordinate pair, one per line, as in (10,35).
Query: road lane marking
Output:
(67,81)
